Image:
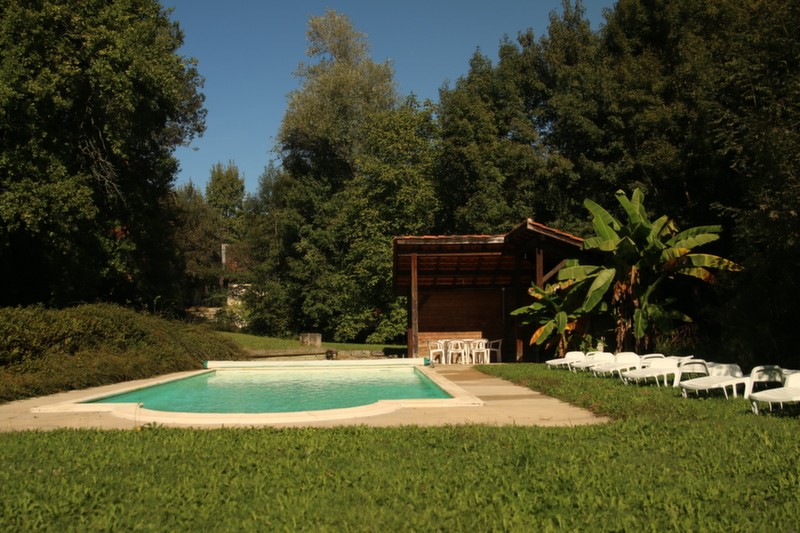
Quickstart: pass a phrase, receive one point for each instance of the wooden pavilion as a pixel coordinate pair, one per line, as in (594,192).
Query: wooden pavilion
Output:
(465,286)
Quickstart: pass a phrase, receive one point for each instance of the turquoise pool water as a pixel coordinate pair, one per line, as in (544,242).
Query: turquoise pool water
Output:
(282,391)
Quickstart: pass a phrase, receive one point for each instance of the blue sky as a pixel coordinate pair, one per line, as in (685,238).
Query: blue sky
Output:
(248,49)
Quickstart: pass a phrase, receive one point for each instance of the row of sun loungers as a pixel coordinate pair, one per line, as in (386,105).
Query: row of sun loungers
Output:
(691,375)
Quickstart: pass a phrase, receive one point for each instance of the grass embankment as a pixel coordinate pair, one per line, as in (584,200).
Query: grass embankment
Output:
(254,342)
(665,464)
(43,351)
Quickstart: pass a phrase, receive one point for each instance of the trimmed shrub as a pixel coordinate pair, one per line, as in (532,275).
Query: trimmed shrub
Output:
(43,351)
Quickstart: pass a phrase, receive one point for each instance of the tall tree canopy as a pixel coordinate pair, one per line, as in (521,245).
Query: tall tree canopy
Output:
(356,169)
(94,97)
(225,189)
(693,102)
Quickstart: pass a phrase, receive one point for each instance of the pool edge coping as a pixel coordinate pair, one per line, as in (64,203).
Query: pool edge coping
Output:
(134,411)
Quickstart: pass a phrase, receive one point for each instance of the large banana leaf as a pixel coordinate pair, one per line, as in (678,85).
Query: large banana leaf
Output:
(713,261)
(694,241)
(663,227)
(598,288)
(578,272)
(662,318)
(693,232)
(657,229)
(598,243)
(634,209)
(605,225)
(697,272)
(561,320)
(671,257)
(543,333)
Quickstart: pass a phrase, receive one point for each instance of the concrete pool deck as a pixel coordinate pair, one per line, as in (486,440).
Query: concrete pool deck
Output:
(503,404)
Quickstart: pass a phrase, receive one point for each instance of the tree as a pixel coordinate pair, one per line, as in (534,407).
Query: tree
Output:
(322,137)
(693,102)
(270,308)
(522,138)
(392,193)
(199,235)
(225,193)
(640,258)
(559,313)
(94,97)
(320,132)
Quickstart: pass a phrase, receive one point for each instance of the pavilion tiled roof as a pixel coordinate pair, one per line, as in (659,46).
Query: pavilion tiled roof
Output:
(478,261)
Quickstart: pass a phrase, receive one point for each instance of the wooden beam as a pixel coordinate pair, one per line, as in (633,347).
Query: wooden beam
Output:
(539,267)
(414,307)
(554,271)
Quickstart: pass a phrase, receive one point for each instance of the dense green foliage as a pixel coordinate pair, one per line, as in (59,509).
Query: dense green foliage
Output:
(93,100)
(225,192)
(356,165)
(200,235)
(686,465)
(642,264)
(43,351)
(692,102)
(209,236)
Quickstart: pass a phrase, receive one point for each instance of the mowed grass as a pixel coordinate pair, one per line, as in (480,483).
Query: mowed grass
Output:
(665,464)
(256,342)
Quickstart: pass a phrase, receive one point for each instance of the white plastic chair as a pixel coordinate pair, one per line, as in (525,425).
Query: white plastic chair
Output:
(457,351)
(479,351)
(495,347)
(789,393)
(437,349)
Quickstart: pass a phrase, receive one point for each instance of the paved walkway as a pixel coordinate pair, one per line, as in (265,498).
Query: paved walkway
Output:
(504,404)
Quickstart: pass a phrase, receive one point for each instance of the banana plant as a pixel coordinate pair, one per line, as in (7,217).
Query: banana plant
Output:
(557,311)
(639,257)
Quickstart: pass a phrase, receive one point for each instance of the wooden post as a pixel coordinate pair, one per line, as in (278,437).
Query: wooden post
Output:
(414,307)
(539,267)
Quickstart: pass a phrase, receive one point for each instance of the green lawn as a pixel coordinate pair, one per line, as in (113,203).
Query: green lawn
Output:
(665,464)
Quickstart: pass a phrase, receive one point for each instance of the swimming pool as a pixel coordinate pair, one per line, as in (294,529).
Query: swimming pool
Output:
(265,390)
(130,408)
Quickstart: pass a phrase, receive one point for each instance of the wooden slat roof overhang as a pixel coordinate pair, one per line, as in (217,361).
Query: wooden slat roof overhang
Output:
(529,251)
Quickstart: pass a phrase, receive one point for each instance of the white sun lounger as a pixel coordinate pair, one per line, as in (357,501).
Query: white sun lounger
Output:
(622,361)
(592,359)
(688,366)
(789,393)
(566,360)
(718,376)
(765,374)
(658,368)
